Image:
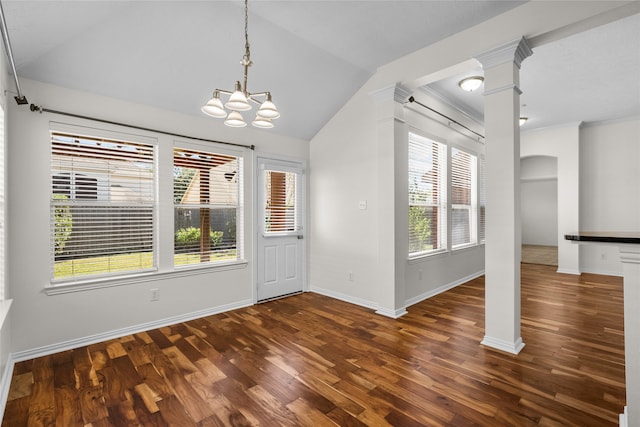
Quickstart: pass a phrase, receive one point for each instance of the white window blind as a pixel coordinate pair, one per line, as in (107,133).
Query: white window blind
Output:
(282,213)
(208,212)
(102,206)
(463,198)
(427,195)
(483,202)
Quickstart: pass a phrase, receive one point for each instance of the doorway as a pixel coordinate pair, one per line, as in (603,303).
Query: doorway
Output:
(539,209)
(281,228)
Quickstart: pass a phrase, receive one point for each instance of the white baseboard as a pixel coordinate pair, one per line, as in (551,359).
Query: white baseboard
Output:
(344,297)
(602,272)
(624,419)
(5,384)
(502,345)
(394,314)
(568,271)
(118,333)
(441,289)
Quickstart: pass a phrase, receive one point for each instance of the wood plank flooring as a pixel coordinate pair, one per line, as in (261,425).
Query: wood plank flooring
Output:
(536,254)
(312,360)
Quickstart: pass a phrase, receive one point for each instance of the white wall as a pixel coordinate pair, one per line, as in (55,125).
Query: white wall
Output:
(350,165)
(609,188)
(44,320)
(344,238)
(5,314)
(539,200)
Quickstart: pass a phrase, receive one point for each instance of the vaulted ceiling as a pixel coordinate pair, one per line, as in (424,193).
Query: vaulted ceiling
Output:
(312,55)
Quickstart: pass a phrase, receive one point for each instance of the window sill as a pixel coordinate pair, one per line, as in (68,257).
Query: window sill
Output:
(463,248)
(87,285)
(5,305)
(430,255)
(443,252)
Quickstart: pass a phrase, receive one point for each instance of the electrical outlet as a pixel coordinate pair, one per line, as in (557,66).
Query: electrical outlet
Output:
(155,294)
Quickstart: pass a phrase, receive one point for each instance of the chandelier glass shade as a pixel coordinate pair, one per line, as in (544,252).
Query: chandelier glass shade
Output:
(240,99)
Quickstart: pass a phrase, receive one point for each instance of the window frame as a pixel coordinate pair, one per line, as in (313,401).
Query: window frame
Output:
(239,207)
(476,196)
(163,213)
(102,198)
(472,207)
(441,206)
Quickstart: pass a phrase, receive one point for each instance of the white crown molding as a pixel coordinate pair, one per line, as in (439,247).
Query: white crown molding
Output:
(397,92)
(503,88)
(515,51)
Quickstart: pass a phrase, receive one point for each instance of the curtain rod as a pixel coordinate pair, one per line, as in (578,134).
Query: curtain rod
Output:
(412,100)
(35,108)
(20,98)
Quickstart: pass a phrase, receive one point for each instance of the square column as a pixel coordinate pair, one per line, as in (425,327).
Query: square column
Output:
(392,156)
(628,244)
(502,180)
(630,257)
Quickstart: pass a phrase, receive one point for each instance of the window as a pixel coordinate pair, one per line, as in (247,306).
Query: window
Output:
(207,221)
(102,206)
(427,195)
(483,202)
(463,198)
(280,210)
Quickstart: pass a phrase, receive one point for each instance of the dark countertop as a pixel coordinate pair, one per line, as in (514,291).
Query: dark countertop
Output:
(605,236)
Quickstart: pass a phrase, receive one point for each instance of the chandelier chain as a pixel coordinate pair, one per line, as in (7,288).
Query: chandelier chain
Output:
(246,27)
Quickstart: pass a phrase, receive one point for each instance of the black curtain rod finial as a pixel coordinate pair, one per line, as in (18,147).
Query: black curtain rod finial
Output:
(34,108)
(412,99)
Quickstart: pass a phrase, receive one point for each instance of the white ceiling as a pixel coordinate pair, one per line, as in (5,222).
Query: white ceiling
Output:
(588,77)
(311,55)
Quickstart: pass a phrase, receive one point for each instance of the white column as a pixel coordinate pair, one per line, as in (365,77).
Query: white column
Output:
(392,155)
(630,257)
(502,177)
(569,201)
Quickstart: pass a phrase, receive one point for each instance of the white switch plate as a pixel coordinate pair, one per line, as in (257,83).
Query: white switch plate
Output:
(362,205)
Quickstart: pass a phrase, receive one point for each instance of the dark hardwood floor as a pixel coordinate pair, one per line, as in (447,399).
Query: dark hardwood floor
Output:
(312,360)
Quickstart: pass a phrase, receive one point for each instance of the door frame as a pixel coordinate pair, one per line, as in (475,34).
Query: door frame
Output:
(257,225)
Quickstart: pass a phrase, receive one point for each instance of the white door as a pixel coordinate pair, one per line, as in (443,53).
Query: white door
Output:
(281,229)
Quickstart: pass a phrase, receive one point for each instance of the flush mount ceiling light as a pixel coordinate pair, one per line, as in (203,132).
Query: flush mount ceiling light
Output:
(523,120)
(240,98)
(470,84)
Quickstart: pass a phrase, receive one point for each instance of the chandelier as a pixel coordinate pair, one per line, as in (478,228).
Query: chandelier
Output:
(240,98)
